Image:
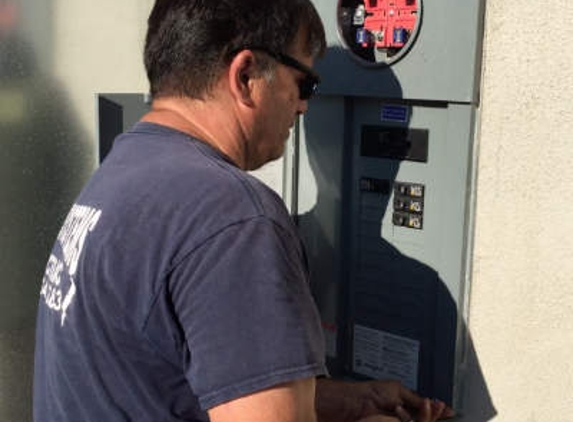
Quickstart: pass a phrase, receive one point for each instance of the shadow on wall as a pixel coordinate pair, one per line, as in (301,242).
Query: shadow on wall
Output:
(44,160)
(374,284)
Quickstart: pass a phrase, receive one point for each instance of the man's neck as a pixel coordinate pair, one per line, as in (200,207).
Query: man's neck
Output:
(209,121)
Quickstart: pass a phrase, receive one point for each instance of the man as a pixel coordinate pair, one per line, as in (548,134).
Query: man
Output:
(177,289)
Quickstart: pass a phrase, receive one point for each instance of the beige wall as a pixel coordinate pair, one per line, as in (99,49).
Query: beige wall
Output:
(521,312)
(98,48)
(65,51)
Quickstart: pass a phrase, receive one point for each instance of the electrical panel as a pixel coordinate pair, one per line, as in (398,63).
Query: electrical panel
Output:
(382,187)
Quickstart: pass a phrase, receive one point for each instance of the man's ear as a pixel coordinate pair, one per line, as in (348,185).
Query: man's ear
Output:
(243,77)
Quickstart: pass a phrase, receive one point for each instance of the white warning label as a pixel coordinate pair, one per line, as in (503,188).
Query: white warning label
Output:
(381,355)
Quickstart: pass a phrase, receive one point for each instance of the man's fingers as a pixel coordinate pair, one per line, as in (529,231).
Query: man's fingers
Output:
(403,414)
(441,411)
(425,414)
(428,411)
(410,398)
(438,409)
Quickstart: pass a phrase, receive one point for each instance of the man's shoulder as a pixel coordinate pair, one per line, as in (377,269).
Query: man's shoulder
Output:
(176,171)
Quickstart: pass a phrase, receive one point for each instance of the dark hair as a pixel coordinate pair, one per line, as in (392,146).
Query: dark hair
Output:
(189,42)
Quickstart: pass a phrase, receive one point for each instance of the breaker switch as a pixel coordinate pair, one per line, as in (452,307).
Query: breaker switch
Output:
(399,219)
(408,205)
(404,219)
(415,222)
(416,206)
(414,190)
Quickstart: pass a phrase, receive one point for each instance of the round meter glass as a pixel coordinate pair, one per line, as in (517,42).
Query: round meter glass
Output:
(379,32)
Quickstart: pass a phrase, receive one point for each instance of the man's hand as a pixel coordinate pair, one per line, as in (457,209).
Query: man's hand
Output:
(374,401)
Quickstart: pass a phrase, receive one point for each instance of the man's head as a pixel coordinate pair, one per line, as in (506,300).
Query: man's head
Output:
(191,42)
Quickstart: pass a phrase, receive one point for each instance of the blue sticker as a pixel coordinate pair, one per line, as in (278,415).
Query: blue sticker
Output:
(394,113)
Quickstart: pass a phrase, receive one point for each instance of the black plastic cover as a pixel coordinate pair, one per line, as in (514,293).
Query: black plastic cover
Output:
(394,142)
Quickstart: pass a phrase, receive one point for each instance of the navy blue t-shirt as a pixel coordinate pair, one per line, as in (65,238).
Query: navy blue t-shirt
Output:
(176,283)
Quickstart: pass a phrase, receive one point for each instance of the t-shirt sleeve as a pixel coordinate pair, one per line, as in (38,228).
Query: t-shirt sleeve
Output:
(243,301)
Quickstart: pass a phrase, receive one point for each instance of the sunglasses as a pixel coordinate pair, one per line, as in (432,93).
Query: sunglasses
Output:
(308,85)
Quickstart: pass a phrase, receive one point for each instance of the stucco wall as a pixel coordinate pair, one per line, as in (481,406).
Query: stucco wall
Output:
(54,57)
(98,48)
(521,312)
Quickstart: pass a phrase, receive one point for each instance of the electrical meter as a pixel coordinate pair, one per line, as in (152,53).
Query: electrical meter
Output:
(379,31)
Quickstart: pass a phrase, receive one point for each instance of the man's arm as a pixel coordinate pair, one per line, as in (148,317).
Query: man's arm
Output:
(290,402)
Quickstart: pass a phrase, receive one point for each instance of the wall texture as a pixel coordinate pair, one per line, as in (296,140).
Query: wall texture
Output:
(521,312)
(99,46)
